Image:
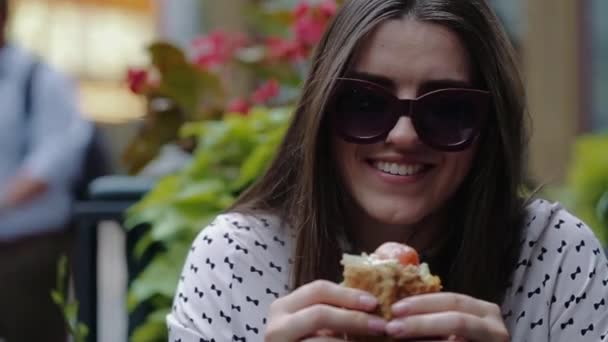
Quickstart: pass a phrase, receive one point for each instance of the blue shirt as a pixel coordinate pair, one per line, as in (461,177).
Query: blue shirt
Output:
(49,145)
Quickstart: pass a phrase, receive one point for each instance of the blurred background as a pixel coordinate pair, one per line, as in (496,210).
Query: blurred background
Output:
(136,63)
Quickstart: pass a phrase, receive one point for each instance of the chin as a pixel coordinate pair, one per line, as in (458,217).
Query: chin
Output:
(399,213)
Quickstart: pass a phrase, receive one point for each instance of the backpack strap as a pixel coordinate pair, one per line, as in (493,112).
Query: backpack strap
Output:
(28,100)
(28,89)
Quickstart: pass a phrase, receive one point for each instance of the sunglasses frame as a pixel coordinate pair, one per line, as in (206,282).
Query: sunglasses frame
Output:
(407,107)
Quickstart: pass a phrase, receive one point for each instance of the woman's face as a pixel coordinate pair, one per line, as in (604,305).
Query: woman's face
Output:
(401,181)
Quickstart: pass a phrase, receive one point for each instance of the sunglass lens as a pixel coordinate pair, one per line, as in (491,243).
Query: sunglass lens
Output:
(447,119)
(361,113)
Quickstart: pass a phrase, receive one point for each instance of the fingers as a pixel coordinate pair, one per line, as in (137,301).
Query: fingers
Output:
(444,301)
(322,316)
(325,292)
(323,339)
(468,326)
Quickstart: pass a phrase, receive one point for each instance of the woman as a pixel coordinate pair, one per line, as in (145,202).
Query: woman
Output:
(410,128)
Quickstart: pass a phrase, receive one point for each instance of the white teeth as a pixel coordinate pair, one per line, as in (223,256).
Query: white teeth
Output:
(399,169)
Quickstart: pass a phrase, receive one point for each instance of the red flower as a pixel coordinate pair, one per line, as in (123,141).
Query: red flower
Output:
(279,48)
(265,92)
(137,79)
(239,105)
(216,49)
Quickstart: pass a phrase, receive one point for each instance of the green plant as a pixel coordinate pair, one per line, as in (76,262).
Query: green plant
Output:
(586,187)
(235,134)
(69,308)
(230,154)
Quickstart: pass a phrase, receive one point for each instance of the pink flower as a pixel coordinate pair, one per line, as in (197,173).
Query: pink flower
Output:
(265,92)
(328,8)
(310,22)
(279,48)
(216,49)
(309,29)
(137,80)
(301,9)
(239,105)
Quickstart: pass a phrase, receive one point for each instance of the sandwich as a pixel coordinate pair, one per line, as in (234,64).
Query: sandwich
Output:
(391,273)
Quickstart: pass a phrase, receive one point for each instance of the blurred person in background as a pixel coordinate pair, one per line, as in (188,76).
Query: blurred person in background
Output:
(43,139)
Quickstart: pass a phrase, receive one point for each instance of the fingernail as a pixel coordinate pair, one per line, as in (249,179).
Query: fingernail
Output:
(393,328)
(368,301)
(377,324)
(399,308)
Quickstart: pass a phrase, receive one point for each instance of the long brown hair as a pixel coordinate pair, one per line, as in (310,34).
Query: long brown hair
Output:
(487,211)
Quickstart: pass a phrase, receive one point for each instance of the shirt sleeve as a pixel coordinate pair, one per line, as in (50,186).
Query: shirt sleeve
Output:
(579,307)
(227,284)
(57,133)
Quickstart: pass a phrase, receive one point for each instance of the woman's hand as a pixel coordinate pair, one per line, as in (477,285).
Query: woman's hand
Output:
(314,309)
(447,315)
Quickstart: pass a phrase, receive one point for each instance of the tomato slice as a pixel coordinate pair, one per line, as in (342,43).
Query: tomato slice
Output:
(406,255)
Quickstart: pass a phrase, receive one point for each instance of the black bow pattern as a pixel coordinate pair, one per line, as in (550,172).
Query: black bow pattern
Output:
(238,226)
(207,239)
(198,292)
(259,244)
(218,291)
(573,275)
(531,293)
(586,330)
(238,339)
(227,261)
(251,300)
(281,242)
(255,270)
(236,307)
(184,298)
(547,277)
(276,267)
(224,316)
(250,328)
(592,274)
(598,304)
(239,248)
(207,318)
(567,323)
(193,268)
(580,245)
(269,291)
(537,323)
(559,224)
(208,262)
(237,278)
(543,250)
(228,238)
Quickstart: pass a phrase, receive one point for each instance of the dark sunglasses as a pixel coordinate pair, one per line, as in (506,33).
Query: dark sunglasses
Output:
(448,119)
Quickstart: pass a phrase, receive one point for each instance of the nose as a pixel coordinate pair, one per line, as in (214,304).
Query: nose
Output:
(403,134)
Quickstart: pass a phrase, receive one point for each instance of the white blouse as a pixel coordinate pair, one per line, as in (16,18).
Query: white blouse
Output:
(239,264)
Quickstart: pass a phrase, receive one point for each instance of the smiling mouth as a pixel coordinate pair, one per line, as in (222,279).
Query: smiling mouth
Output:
(399,169)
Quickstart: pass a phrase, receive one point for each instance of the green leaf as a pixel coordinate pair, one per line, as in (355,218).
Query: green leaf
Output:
(150,332)
(142,245)
(82,332)
(57,297)
(602,209)
(161,276)
(71,311)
